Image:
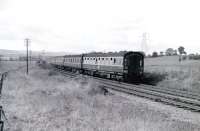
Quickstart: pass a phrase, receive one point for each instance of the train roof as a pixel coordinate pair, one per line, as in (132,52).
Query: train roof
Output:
(110,54)
(101,54)
(73,55)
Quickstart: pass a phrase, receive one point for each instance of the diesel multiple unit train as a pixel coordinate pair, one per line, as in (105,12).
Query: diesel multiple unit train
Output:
(122,66)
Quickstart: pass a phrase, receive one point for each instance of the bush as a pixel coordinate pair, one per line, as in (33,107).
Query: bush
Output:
(194,57)
(96,89)
(44,64)
(52,73)
(153,78)
(155,54)
(184,57)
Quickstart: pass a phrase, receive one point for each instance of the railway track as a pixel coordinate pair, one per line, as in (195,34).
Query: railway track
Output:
(65,73)
(175,97)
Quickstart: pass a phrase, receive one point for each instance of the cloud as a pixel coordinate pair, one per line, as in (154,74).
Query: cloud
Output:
(2,4)
(99,25)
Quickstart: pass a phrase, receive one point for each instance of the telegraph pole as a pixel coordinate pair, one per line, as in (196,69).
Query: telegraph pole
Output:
(27,44)
(30,55)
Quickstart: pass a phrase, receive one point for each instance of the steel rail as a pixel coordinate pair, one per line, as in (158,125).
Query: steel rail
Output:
(157,98)
(187,100)
(174,97)
(171,91)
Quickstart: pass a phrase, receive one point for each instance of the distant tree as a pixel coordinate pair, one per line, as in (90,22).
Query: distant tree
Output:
(191,56)
(1,57)
(194,56)
(175,52)
(181,50)
(149,55)
(154,54)
(161,53)
(169,52)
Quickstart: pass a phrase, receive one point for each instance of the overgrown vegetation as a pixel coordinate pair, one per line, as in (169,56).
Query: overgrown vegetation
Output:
(43,102)
(194,57)
(153,78)
(183,75)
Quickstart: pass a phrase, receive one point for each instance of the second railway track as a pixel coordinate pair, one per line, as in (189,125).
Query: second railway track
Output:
(175,97)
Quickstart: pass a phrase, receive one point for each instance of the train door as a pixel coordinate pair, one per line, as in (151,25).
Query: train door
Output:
(134,64)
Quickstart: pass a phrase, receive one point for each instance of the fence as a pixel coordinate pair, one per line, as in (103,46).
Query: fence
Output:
(2,113)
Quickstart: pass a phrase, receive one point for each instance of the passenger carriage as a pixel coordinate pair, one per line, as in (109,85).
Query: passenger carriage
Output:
(119,65)
(73,62)
(123,65)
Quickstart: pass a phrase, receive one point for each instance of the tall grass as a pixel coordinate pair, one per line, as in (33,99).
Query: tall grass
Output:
(43,102)
(183,75)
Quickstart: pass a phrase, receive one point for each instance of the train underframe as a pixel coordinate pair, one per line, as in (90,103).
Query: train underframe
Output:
(118,76)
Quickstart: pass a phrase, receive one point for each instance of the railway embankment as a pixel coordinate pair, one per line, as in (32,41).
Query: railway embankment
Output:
(46,100)
(168,72)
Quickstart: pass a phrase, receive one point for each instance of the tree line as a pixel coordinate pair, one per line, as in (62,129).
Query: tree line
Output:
(174,52)
(170,52)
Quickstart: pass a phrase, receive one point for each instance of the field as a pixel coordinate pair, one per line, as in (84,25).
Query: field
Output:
(47,101)
(10,65)
(183,75)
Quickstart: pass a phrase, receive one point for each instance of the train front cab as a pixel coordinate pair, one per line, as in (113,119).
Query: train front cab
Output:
(133,66)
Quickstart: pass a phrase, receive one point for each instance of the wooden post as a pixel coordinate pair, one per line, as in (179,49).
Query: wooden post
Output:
(1,121)
(27,44)
(1,83)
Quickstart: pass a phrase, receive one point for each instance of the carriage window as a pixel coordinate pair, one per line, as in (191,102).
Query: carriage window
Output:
(93,58)
(87,58)
(99,58)
(102,58)
(110,58)
(114,60)
(120,62)
(140,62)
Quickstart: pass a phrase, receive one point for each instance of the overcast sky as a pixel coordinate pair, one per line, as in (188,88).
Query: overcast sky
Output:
(100,25)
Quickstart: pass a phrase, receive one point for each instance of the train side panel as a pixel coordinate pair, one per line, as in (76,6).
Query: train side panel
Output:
(73,62)
(103,64)
(58,60)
